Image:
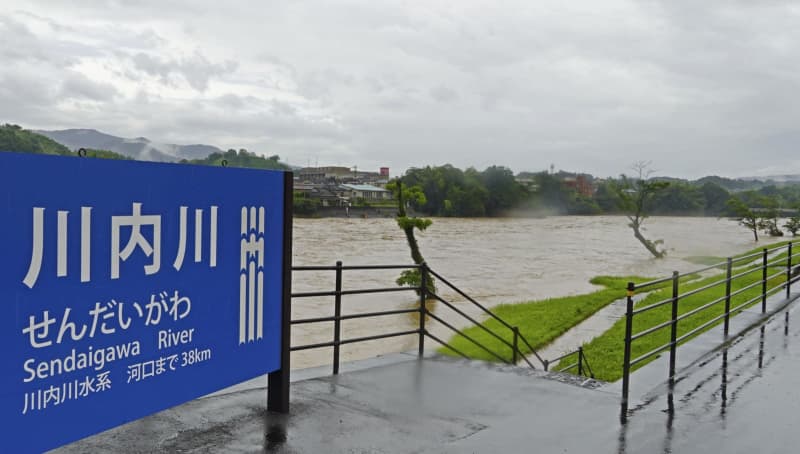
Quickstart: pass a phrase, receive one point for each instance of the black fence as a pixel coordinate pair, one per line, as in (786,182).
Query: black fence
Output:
(580,364)
(748,280)
(509,336)
(754,279)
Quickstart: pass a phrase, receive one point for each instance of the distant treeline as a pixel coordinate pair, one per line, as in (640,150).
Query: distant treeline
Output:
(497,191)
(449,191)
(241,158)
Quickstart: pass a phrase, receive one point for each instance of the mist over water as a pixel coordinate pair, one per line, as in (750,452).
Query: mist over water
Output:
(493,260)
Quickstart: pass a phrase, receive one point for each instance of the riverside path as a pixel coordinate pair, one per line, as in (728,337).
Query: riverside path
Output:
(737,399)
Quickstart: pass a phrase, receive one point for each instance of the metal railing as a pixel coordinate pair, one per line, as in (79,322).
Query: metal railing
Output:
(581,362)
(738,270)
(424,294)
(516,337)
(337,317)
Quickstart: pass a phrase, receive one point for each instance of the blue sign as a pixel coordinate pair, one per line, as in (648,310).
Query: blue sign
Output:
(130,287)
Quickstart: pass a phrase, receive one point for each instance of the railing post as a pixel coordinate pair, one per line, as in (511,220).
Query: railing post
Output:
(673,334)
(626,361)
(786,324)
(423,292)
(728,274)
(764,261)
(516,342)
(789,270)
(580,361)
(337,314)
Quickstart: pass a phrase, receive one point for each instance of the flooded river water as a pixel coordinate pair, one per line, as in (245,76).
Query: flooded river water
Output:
(493,260)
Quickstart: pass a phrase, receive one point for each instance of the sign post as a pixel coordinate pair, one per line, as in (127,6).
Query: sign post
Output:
(129,287)
(278,386)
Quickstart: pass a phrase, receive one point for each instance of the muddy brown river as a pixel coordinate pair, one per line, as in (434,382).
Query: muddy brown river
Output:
(493,260)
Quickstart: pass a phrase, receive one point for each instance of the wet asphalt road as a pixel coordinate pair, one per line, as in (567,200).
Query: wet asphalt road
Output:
(739,399)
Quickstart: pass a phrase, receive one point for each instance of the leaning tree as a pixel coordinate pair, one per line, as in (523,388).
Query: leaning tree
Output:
(634,198)
(745,215)
(413,277)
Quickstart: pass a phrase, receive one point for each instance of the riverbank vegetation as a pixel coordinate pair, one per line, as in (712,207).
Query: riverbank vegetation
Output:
(605,352)
(540,322)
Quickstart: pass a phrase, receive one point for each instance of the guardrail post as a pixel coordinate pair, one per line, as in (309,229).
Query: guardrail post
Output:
(580,361)
(337,314)
(728,274)
(423,292)
(626,361)
(516,342)
(764,261)
(673,334)
(789,270)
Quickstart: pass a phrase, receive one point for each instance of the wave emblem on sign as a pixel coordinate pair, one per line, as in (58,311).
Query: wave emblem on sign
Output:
(251,276)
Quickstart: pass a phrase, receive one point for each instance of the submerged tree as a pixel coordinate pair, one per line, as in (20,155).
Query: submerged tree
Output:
(411,278)
(793,223)
(634,197)
(769,218)
(744,215)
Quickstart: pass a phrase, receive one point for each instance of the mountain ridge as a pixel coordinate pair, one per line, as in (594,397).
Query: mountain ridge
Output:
(139,148)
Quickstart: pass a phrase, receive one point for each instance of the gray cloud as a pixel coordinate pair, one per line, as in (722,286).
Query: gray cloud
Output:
(196,70)
(77,85)
(695,87)
(443,94)
(21,44)
(24,98)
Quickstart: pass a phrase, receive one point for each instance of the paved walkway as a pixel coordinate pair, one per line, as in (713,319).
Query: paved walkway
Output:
(740,399)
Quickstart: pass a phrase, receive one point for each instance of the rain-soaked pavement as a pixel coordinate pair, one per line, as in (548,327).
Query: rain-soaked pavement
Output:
(739,399)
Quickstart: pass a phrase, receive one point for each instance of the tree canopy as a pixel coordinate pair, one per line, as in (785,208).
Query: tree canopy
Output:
(241,158)
(14,138)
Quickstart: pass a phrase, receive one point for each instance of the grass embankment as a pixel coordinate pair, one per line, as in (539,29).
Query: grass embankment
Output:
(540,322)
(605,352)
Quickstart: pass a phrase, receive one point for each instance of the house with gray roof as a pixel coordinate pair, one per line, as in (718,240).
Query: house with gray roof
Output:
(365,191)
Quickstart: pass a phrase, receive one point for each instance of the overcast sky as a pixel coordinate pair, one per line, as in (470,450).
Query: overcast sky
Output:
(696,87)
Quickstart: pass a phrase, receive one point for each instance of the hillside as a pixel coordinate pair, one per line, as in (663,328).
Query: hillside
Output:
(242,158)
(139,148)
(14,138)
